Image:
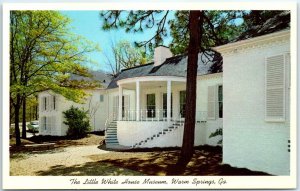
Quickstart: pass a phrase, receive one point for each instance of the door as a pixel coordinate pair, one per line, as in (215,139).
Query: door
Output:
(125,106)
(182,101)
(165,98)
(151,106)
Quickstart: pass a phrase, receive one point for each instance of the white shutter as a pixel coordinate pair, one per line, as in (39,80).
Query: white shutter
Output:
(211,102)
(275,88)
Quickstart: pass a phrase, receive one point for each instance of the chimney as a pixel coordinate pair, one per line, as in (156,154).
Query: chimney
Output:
(161,53)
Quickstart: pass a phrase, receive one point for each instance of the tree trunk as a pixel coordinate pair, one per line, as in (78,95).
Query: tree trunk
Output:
(195,25)
(17,112)
(24,119)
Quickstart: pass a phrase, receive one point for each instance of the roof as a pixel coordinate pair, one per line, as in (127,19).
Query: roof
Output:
(99,76)
(177,65)
(174,66)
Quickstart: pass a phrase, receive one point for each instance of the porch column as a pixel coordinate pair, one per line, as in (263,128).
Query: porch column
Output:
(137,85)
(169,101)
(120,102)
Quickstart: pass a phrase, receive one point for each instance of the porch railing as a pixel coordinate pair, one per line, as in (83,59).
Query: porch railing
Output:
(154,115)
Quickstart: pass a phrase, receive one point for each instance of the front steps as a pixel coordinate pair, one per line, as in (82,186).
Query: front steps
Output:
(111,139)
(175,125)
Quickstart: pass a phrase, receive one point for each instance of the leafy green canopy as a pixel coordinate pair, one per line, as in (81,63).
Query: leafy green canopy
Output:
(219,27)
(44,55)
(123,55)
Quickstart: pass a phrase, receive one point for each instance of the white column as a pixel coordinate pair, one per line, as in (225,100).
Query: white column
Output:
(169,101)
(120,102)
(137,84)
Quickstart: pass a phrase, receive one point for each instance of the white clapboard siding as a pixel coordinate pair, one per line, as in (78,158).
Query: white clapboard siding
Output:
(275,88)
(211,102)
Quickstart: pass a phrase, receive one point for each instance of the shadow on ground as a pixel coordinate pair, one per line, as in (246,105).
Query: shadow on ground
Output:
(88,169)
(207,161)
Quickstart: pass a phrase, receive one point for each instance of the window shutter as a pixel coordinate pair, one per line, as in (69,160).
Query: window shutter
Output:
(275,88)
(211,103)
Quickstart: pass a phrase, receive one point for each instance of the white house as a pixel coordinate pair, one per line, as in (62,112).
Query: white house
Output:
(52,105)
(247,95)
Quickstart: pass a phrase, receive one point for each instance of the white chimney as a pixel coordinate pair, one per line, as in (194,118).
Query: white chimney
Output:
(161,53)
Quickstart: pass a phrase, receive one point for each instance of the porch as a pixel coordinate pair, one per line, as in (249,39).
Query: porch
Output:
(151,98)
(149,112)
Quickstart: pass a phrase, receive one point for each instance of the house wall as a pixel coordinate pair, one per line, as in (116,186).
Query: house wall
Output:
(203,82)
(49,113)
(248,140)
(98,112)
(132,132)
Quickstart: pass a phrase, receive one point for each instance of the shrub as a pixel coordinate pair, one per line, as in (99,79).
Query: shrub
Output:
(218,132)
(78,122)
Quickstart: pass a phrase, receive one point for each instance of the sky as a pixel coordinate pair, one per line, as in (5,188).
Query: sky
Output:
(88,24)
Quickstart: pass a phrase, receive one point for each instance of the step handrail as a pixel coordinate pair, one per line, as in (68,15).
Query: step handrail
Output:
(108,120)
(169,129)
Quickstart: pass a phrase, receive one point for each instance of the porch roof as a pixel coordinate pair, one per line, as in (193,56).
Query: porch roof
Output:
(175,66)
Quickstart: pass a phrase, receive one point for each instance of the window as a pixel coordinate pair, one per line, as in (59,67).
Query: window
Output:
(220,100)
(54,102)
(45,123)
(182,101)
(101,98)
(151,105)
(165,99)
(275,88)
(45,103)
(125,105)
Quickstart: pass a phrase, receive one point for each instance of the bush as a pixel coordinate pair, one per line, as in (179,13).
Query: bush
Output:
(78,122)
(218,132)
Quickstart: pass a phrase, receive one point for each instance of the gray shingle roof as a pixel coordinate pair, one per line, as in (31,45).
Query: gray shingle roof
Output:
(174,66)
(99,76)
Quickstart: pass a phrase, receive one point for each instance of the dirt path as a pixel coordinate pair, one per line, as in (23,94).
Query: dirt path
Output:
(67,161)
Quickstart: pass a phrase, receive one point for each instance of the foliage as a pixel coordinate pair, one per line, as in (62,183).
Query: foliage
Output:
(137,22)
(78,122)
(124,55)
(43,56)
(219,27)
(216,133)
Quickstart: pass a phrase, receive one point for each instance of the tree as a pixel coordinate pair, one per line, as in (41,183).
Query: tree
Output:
(123,55)
(43,56)
(192,32)
(78,122)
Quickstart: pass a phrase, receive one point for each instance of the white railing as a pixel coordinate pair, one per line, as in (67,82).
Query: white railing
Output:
(152,115)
